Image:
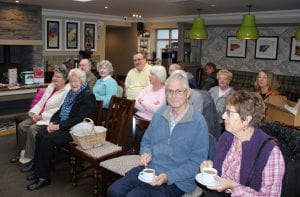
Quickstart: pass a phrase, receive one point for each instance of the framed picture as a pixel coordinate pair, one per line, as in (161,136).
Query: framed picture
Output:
(53,35)
(266,47)
(295,50)
(72,35)
(89,35)
(236,47)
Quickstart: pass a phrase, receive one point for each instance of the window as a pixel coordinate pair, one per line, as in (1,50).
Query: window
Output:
(164,39)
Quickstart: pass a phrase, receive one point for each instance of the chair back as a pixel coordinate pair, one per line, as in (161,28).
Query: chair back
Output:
(118,121)
(97,120)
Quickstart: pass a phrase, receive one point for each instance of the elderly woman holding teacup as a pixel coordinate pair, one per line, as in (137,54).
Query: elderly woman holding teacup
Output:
(248,161)
(78,104)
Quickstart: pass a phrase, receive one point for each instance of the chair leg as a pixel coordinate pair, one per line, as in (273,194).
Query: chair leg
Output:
(96,177)
(73,170)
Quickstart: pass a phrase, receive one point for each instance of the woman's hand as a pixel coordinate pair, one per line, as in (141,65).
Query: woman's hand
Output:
(145,159)
(205,164)
(36,118)
(224,184)
(160,179)
(52,127)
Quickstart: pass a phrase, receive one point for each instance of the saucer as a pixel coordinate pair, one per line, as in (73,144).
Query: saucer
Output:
(200,180)
(141,178)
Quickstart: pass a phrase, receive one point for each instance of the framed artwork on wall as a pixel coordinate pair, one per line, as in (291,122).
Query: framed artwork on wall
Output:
(72,35)
(236,47)
(266,47)
(295,50)
(53,35)
(89,35)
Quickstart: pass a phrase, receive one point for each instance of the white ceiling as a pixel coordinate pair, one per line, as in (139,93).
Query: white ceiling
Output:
(163,8)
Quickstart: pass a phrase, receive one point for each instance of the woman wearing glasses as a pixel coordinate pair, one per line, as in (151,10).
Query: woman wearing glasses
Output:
(248,161)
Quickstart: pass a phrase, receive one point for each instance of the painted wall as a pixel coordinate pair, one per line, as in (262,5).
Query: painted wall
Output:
(214,50)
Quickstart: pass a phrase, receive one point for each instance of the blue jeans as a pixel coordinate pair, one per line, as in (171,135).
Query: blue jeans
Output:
(130,186)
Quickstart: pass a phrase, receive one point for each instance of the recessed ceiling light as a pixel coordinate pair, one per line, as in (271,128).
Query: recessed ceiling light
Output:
(106,7)
(83,0)
(213,5)
(17,1)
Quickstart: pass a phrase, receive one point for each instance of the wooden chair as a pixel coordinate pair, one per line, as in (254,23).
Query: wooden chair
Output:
(117,122)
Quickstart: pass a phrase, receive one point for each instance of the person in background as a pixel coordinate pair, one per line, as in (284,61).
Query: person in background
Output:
(138,77)
(192,81)
(173,144)
(220,92)
(39,116)
(79,103)
(244,148)
(209,79)
(152,97)
(106,86)
(266,84)
(86,66)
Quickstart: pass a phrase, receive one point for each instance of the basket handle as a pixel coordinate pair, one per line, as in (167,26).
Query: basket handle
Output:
(91,122)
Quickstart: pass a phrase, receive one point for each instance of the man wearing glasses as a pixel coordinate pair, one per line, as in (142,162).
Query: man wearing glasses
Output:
(173,145)
(138,77)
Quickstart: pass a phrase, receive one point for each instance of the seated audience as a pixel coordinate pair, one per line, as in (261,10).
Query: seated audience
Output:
(192,81)
(176,139)
(86,66)
(79,103)
(106,86)
(248,161)
(209,79)
(138,77)
(39,116)
(220,92)
(266,84)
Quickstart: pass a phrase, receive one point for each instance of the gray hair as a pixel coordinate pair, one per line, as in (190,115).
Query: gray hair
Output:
(62,69)
(77,72)
(106,63)
(160,72)
(177,76)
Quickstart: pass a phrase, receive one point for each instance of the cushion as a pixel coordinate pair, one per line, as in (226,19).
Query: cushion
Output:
(101,151)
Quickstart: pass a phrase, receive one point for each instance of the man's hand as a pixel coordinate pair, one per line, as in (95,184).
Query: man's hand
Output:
(145,159)
(160,179)
(52,127)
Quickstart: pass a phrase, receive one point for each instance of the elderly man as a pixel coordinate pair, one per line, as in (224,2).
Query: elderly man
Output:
(174,144)
(86,66)
(138,77)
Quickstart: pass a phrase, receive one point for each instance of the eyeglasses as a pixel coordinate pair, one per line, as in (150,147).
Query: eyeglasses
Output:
(228,112)
(177,92)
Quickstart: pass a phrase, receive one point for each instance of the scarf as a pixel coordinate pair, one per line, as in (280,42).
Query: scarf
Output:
(69,101)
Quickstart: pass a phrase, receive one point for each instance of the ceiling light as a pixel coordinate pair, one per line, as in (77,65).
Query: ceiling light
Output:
(106,7)
(17,1)
(248,29)
(83,0)
(297,34)
(198,31)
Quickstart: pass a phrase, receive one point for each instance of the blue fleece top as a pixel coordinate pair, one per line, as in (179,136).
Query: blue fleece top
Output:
(104,89)
(179,154)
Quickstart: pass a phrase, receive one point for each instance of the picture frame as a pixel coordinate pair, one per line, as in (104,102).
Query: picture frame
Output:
(266,47)
(295,50)
(52,34)
(72,35)
(90,35)
(236,47)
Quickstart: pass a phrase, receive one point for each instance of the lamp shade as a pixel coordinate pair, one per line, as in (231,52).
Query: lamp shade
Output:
(297,34)
(248,29)
(198,31)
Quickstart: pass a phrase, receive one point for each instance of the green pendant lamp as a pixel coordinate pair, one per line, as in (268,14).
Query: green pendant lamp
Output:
(248,29)
(297,34)
(198,31)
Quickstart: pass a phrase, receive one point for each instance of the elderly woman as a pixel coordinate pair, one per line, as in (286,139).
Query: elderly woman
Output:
(153,96)
(220,92)
(39,116)
(79,103)
(106,86)
(176,139)
(266,84)
(248,161)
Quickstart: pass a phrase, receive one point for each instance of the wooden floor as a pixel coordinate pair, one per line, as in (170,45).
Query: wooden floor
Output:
(8,132)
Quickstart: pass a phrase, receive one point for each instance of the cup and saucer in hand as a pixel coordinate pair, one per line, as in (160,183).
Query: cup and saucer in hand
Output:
(147,175)
(207,177)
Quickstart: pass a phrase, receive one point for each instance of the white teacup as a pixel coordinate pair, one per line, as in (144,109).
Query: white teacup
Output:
(208,174)
(148,174)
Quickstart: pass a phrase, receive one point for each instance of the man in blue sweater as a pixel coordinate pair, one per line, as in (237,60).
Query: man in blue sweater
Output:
(174,144)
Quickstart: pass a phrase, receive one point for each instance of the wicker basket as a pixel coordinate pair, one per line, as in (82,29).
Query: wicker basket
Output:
(95,138)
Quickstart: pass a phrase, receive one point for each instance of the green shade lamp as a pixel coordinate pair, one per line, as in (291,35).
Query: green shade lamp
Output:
(248,29)
(297,34)
(198,31)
